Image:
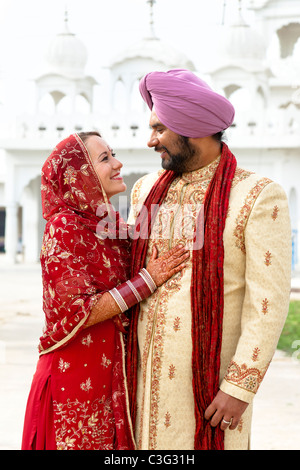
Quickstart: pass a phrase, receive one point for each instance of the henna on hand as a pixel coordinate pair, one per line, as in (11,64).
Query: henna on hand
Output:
(164,267)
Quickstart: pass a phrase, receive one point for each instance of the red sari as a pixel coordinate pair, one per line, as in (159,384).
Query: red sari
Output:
(78,398)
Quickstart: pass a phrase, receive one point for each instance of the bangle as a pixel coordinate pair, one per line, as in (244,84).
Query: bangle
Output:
(133,291)
(148,279)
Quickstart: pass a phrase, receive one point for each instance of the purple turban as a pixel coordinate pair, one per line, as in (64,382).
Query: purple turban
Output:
(186,104)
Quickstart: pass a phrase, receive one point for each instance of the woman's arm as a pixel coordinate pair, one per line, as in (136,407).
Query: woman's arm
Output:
(160,270)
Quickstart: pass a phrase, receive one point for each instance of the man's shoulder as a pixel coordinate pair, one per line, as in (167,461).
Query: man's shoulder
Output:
(251,189)
(143,185)
(254,182)
(248,177)
(246,181)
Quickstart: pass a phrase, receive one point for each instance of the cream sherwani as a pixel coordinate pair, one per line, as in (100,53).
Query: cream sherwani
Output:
(257,243)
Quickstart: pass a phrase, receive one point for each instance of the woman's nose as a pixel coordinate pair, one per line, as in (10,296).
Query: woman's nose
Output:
(117,164)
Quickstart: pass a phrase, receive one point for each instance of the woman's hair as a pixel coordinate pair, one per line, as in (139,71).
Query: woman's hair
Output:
(85,135)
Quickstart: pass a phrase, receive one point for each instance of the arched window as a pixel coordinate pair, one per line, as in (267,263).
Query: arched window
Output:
(57,96)
(288,36)
(249,105)
(47,105)
(136,99)
(119,96)
(82,105)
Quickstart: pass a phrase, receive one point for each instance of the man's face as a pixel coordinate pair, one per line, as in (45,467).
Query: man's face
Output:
(176,152)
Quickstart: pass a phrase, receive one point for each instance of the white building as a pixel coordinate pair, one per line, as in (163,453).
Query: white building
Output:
(257,68)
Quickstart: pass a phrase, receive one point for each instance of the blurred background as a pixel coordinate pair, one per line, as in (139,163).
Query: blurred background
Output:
(67,66)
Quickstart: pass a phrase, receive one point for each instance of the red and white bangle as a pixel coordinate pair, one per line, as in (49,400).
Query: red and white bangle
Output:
(133,291)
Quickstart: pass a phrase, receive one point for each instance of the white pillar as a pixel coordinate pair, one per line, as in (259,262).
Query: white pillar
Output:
(30,222)
(11,232)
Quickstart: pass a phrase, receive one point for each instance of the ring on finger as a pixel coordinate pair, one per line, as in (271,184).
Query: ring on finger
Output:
(227,422)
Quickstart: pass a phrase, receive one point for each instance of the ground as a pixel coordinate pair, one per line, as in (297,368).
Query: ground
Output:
(276,420)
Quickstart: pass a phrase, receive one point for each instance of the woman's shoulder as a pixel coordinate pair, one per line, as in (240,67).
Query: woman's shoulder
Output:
(64,219)
(65,228)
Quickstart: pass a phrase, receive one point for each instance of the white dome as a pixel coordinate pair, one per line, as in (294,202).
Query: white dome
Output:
(241,42)
(240,45)
(157,50)
(67,55)
(258,4)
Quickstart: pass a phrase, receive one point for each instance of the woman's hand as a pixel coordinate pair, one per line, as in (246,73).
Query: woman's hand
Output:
(164,267)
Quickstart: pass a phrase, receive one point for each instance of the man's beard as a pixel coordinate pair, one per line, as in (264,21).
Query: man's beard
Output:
(181,161)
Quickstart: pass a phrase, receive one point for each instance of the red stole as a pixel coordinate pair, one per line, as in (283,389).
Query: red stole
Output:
(207,297)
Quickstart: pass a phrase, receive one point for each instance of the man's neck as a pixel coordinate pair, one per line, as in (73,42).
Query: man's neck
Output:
(207,150)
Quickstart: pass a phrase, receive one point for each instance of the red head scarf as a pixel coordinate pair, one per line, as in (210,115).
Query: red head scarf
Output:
(78,262)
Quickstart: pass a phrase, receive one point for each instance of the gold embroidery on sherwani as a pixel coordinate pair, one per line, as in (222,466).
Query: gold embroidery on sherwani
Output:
(157,327)
(172,225)
(240,426)
(245,377)
(176,326)
(268,258)
(265,306)
(240,175)
(174,396)
(275,213)
(172,370)
(245,211)
(167,420)
(255,354)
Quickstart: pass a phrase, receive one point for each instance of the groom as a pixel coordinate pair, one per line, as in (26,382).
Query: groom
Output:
(198,349)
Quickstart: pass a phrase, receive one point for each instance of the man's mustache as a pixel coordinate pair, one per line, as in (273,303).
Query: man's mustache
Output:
(159,149)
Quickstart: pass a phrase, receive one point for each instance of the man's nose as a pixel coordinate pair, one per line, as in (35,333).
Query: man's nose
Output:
(153,141)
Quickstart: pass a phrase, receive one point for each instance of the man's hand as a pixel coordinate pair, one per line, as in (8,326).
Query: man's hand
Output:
(226,410)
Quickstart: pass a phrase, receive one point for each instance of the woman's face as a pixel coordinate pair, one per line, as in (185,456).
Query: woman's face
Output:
(106,165)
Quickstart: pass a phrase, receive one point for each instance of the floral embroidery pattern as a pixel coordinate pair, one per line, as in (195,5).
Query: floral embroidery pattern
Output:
(255,354)
(240,175)
(172,369)
(105,361)
(167,420)
(63,366)
(78,427)
(74,277)
(265,306)
(87,385)
(240,425)
(49,243)
(247,378)
(242,218)
(275,213)
(268,257)
(87,340)
(176,326)
(70,175)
